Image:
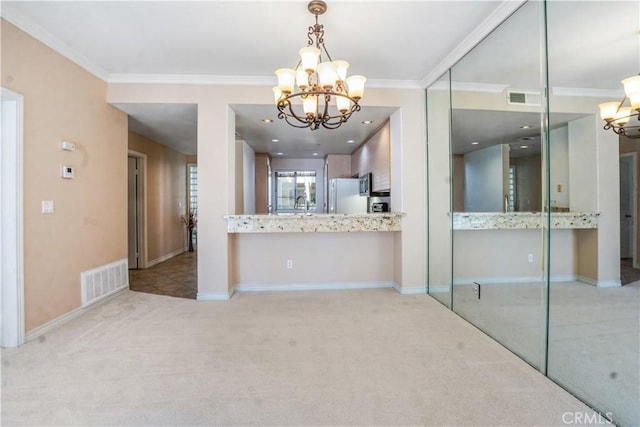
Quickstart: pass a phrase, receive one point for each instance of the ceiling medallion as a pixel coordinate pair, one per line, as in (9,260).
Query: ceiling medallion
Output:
(319,82)
(621,119)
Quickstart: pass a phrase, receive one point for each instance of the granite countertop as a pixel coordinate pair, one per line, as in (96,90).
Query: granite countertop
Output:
(523,220)
(318,223)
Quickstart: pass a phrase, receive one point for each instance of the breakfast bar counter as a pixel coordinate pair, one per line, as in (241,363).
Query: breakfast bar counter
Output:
(314,223)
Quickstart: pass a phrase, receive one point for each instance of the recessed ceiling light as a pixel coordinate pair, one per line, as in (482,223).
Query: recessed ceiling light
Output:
(367,122)
(351,141)
(267,121)
(315,154)
(279,154)
(526,127)
(275,140)
(475,143)
(527,138)
(524,146)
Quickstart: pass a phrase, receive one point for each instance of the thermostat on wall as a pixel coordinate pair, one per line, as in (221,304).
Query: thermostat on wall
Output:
(67,172)
(68,146)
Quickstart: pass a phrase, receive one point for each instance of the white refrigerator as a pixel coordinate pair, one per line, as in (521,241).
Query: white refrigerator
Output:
(344,196)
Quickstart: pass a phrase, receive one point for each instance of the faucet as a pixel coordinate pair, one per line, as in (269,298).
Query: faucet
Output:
(306,204)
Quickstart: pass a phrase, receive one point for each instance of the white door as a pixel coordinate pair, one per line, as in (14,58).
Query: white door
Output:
(627,177)
(11,221)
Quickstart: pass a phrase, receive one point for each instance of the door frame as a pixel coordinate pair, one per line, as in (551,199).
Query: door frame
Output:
(634,192)
(12,320)
(142,206)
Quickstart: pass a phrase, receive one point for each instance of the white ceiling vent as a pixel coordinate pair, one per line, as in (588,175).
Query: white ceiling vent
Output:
(524,98)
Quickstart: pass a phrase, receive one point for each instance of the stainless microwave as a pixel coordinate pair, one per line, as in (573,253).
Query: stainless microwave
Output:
(365,184)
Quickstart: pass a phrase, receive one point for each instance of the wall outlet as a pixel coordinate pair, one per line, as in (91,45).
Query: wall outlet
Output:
(530,258)
(476,289)
(289,264)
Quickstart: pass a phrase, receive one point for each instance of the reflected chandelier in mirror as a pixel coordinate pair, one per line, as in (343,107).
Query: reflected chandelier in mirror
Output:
(622,119)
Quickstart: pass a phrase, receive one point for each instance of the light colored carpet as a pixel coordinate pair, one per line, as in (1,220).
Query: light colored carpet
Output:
(365,357)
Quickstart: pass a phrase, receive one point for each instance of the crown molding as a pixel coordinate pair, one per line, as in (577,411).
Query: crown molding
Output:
(36,31)
(478,87)
(586,92)
(502,12)
(238,80)
(506,8)
(191,79)
(394,84)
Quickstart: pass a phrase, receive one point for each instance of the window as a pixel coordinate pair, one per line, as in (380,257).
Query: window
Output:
(512,188)
(294,189)
(192,192)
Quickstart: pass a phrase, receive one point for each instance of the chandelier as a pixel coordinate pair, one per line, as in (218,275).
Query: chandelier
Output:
(319,81)
(620,118)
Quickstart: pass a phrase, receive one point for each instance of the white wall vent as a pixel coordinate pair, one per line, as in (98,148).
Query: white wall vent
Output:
(103,281)
(524,98)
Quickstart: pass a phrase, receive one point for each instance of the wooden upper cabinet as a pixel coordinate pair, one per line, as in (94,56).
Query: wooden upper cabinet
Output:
(338,166)
(374,157)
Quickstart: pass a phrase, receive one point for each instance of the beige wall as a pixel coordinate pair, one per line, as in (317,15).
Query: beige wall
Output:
(89,226)
(217,174)
(318,258)
(166,197)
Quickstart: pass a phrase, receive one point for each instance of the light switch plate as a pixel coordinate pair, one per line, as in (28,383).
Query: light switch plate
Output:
(47,206)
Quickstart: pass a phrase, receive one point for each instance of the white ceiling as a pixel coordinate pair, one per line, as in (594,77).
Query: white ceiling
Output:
(406,44)
(393,43)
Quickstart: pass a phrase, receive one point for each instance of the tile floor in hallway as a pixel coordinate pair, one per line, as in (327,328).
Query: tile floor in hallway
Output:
(628,274)
(176,277)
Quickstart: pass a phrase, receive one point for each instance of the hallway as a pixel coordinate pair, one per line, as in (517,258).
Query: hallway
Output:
(176,277)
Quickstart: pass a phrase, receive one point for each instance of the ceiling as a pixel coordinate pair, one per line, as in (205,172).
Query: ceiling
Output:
(396,44)
(392,43)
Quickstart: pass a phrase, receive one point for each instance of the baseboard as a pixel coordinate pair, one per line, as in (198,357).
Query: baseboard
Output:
(164,257)
(59,321)
(533,279)
(313,286)
(600,283)
(409,291)
(439,289)
(222,296)
(514,280)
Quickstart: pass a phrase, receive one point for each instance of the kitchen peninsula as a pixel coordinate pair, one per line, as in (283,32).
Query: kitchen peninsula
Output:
(300,223)
(318,251)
